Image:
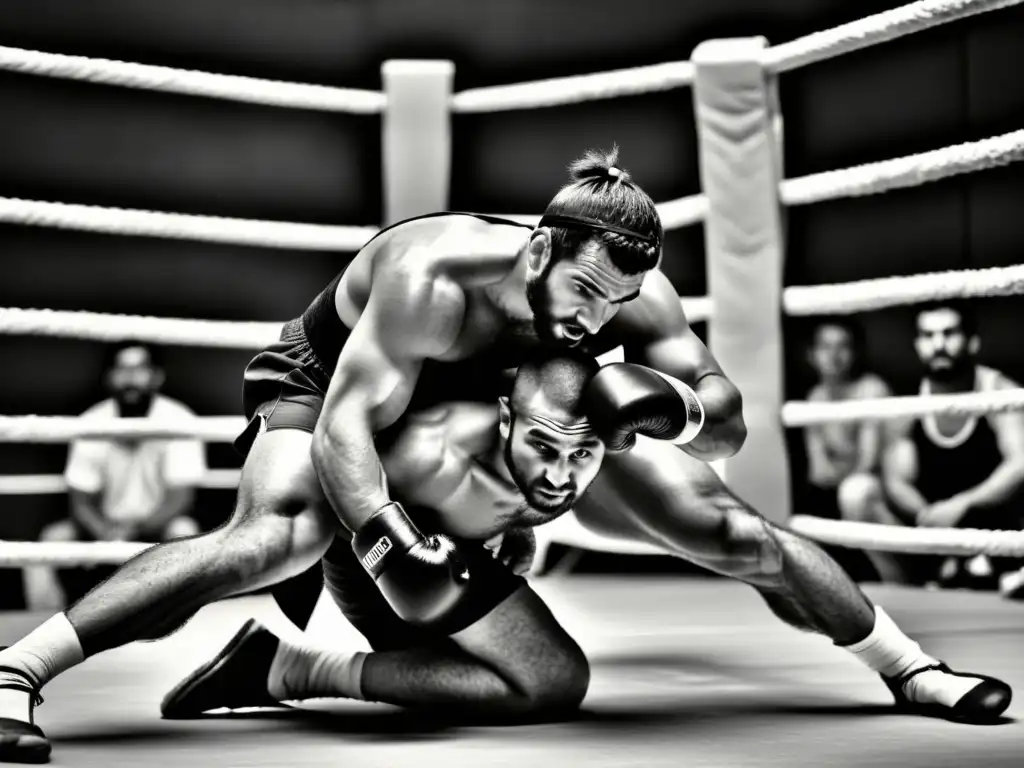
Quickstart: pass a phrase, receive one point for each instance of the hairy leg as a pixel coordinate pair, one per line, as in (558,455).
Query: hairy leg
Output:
(657,494)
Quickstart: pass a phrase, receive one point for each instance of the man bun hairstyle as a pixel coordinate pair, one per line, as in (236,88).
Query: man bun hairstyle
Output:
(601,200)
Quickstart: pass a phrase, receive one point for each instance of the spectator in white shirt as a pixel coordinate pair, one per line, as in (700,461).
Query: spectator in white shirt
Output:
(126,489)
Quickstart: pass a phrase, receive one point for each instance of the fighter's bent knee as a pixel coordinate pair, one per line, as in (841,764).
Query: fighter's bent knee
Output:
(858,496)
(751,547)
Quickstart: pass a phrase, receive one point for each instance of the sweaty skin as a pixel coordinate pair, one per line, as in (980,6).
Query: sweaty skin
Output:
(446,459)
(450,289)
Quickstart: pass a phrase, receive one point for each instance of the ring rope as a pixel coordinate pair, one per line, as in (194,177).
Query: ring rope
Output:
(62,429)
(900,172)
(674,214)
(39,485)
(802,413)
(224,334)
(868,179)
(99,326)
(214,229)
(68,553)
(571,90)
(274,93)
(819,46)
(927,541)
(872,30)
(880,293)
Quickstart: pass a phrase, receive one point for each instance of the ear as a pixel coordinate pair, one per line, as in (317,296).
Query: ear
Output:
(504,418)
(538,252)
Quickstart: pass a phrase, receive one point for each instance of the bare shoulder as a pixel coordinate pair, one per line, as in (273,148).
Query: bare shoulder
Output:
(871,385)
(991,378)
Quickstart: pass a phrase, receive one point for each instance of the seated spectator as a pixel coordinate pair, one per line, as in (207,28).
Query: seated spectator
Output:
(123,489)
(946,470)
(837,450)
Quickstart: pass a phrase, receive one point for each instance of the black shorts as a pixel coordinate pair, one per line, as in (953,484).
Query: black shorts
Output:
(283,387)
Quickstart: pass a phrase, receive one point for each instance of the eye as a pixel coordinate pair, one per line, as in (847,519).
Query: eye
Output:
(581,455)
(582,290)
(542,450)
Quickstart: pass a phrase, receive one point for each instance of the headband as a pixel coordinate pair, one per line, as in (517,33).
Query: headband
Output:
(585,222)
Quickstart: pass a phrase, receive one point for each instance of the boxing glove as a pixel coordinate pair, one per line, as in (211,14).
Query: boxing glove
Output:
(623,400)
(422,577)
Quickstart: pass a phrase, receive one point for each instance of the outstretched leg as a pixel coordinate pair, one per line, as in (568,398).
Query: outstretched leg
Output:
(658,494)
(280,526)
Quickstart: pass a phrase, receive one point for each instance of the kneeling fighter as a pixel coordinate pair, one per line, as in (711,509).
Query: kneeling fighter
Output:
(474,473)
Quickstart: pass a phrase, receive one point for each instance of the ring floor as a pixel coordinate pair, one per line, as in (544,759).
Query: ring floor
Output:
(685,672)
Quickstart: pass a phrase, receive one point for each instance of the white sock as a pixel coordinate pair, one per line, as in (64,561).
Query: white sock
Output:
(305,672)
(48,650)
(891,653)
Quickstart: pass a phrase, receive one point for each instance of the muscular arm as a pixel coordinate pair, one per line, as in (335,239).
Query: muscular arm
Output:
(664,341)
(899,473)
(411,315)
(1008,477)
(85,508)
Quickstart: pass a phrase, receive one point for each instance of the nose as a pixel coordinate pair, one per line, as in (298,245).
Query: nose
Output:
(590,321)
(557,474)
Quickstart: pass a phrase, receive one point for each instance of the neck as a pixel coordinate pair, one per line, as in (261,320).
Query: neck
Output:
(835,383)
(962,383)
(495,459)
(509,293)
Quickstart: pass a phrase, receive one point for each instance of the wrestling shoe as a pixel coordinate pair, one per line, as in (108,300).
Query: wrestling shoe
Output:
(22,742)
(983,704)
(233,679)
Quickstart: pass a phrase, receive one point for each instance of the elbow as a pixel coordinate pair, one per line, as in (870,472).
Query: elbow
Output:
(731,426)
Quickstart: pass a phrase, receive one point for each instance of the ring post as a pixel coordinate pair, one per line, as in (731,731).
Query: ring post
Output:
(739,137)
(417,137)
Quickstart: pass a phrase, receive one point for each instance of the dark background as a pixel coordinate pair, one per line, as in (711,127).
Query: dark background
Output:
(83,143)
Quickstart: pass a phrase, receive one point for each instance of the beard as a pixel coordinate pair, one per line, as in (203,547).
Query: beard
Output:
(548,509)
(133,404)
(539,298)
(957,368)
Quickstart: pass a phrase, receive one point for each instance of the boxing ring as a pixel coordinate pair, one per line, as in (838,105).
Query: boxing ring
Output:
(677,676)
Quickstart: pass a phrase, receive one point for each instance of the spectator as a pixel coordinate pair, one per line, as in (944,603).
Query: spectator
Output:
(836,451)
(946,470)
(124,489)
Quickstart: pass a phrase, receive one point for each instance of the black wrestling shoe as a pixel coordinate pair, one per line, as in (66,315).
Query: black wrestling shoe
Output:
(981,705)
(235,678)
(22,742)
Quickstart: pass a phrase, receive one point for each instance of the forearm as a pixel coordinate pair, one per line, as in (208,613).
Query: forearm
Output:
(724,431)
(907,500)
(85,509)
(998,488)
(349,467)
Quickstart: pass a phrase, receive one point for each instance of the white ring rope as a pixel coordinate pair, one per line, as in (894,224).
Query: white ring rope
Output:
(571,90)
(224,334)
(62,429)
(872,30)
(909,171)
(156,330)
(926,541)
(214,229)
(674,214)
(68,553)
(868,179)
(39,485)
(800,413)
(880,293)
(193,83)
